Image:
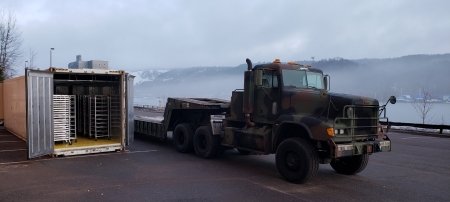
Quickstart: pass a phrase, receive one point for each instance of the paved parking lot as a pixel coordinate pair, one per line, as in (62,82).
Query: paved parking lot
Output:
(12,149)
(418,169)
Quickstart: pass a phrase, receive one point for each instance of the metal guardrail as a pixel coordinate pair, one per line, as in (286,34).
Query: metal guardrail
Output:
(149,108)
(145,106)
(417,125)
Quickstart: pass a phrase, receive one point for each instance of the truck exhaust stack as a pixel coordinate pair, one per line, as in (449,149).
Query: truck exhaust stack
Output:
(249,64)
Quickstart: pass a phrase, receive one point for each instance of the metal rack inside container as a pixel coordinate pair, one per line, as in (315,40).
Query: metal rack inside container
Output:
(73,118)
(115,115)
(64,118)
(99,116)
(82,111)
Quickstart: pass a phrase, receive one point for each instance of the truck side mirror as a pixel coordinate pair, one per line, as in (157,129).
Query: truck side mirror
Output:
(392,99)
(326,82)
(258,77)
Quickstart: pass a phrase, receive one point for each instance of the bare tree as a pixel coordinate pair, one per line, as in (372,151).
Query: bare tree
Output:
(9,44)
(31,58)
(423,105)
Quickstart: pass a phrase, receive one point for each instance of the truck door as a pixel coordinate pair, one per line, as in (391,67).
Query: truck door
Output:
(39,112)
(130,109)
(267,97)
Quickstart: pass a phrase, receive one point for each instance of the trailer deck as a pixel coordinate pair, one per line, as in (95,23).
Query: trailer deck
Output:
(153,123)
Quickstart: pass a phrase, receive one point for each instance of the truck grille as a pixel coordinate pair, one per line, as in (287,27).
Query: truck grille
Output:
(358,122)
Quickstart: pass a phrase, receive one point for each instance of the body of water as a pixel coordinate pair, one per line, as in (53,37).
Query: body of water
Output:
(405,112)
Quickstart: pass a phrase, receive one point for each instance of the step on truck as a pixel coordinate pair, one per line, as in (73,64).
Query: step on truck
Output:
(285,109)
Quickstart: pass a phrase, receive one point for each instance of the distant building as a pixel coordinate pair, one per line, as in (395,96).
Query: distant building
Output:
(446,98)
(405,98)
(91,64)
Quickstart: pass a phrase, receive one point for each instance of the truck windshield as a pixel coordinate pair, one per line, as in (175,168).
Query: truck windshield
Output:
(302,79)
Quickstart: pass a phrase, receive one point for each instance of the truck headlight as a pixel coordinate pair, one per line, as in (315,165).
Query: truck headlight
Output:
(338,131)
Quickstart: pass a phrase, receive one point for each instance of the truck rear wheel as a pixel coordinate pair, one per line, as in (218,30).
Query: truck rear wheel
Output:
(182,137)
(350,165)
(296,160)
(206,144)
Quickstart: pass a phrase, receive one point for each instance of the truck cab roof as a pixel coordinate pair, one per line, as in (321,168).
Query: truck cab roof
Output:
(277,65)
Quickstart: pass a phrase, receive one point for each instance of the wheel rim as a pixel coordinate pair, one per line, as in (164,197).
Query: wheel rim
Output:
(292,161)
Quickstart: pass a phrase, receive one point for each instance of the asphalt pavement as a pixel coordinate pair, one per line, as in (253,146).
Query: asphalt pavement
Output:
(418,169)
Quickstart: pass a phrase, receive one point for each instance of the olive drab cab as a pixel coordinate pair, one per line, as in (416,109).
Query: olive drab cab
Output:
(284,109)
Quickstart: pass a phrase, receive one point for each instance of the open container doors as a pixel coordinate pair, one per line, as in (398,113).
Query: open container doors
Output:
(39,90)
(129,114)
(39,116)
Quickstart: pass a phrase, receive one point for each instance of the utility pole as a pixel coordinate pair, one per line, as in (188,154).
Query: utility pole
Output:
(51,52)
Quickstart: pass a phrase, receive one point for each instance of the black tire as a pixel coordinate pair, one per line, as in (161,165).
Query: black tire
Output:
(206,145)
(183,137)
(296,160)
(350,165)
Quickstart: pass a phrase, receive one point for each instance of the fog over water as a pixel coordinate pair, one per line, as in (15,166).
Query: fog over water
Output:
(406,113)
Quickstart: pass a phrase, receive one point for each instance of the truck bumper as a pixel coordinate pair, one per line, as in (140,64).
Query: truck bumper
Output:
(358,148)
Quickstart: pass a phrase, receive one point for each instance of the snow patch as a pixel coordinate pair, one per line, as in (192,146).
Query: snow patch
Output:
(147,75)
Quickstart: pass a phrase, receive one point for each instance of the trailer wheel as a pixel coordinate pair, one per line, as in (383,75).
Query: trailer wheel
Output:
(296,160)
(206,145)
(182,137)
(350,165)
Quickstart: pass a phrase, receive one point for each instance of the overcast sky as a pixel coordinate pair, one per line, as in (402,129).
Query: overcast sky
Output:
(133,34)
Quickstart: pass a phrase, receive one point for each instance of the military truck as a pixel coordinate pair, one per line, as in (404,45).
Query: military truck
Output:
(285,109)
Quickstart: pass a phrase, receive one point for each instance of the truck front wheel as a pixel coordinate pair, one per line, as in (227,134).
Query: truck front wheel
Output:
(182,137)
(206,144)
(350,165)
(296,160)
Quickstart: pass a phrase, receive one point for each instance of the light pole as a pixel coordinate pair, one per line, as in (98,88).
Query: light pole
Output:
(51,52)
(26,61)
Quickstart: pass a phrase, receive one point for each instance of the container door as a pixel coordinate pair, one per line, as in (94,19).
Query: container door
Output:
(39,97)
(130,109)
